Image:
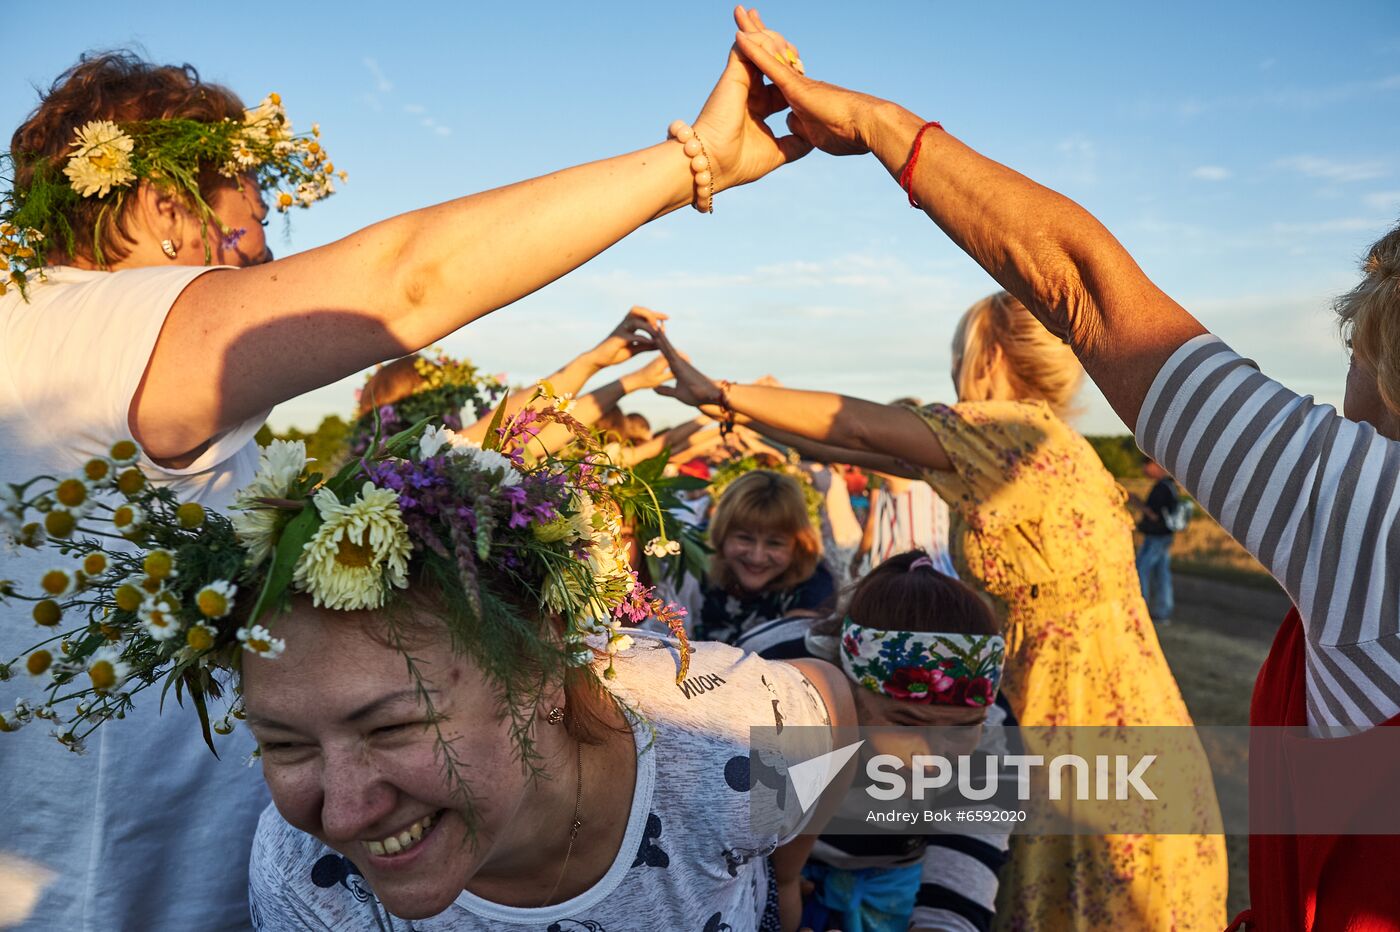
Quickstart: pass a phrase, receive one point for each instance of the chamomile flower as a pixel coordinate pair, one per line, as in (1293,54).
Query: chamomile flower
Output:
(128,519)
(159,616)
(99,472)
(102,160)
(124,453)
(258,640)
(200,638)
(59,582)
(360,550)
(487,461)
(106,669)
(216,599)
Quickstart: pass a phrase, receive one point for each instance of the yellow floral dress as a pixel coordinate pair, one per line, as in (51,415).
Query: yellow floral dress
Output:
(1041,526)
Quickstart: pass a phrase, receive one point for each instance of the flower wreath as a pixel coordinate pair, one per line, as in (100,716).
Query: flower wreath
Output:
(106,160)
(511,545)
(726,473)
(448,386)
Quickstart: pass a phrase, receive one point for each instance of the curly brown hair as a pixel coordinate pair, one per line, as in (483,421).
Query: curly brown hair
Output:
(122,87)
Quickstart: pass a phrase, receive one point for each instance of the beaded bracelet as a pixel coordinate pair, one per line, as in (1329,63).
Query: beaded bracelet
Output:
(685,134)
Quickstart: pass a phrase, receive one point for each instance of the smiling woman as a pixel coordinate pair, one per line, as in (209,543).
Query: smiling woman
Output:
(140,300)
(767,561)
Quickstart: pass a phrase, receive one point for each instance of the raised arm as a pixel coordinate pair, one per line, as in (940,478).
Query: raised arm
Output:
(592,406)
(829,453)
(1042,247)
(620,345)
(240,341)
(834,420)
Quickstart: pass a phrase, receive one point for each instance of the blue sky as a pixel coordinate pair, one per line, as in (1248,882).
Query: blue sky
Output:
(1246,155)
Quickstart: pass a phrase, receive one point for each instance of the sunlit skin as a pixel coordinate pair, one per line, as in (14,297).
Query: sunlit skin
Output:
(158,216)
(349,758)
(1362,400)
(757,557)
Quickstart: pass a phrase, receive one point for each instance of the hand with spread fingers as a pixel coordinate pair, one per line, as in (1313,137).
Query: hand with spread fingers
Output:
(692,387)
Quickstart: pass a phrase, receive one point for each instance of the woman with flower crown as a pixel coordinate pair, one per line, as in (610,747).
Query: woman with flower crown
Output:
(142,301)
(429,648)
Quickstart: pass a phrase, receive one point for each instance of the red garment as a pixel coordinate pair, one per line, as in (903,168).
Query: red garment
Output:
(1315,883)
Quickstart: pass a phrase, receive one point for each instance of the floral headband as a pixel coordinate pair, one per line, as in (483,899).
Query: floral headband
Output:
(107,159)
(447,387)
(924,667)
(482,524)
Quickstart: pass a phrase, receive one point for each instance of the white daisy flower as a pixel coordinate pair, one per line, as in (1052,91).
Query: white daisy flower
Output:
(125,453)
(216,599)
(102,159)
(360,550)
(158,616)
(128,518)
(59,582)
(280,465)
(106,668)
(487,461)
(258,640)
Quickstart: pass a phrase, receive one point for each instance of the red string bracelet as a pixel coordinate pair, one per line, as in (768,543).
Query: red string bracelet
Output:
(906,177)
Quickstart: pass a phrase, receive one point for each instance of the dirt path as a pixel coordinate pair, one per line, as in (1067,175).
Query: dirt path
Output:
(1215,644)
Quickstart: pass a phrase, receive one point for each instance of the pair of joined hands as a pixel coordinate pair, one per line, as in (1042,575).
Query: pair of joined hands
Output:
(645,330)
(824,116)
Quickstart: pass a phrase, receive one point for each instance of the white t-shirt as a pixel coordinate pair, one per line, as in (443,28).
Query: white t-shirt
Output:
(691,857)
(147,830)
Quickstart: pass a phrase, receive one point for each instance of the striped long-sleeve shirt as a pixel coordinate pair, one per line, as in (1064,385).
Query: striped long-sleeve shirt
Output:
(1312,496)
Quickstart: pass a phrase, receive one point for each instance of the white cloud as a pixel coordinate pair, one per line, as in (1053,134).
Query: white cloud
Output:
(1383,200)
(1332,170)
(381,83)
(1286,98)
(1082,157)
(1338,225)
(1210,173)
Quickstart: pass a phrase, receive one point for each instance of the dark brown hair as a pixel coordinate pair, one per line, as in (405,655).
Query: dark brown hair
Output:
(121,87)
(892,597)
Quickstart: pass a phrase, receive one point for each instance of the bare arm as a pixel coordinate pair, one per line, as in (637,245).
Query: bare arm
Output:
(671,439)
(1042,247)
(891,431)
(238,342)
(621,344)
(830,453)
(592,406)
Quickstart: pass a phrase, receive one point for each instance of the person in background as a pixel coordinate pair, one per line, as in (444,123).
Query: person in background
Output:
(1162,517)
(767,559)
(1041,528)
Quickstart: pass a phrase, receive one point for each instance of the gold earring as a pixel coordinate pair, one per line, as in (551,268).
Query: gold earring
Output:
(167,247)
(555,716)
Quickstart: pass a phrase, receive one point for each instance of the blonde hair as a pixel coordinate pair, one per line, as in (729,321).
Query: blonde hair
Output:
(764,501)
(1370,315)
(1039,366)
